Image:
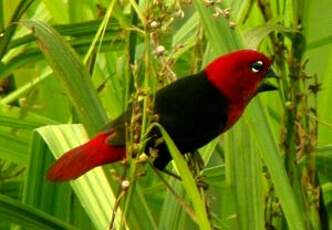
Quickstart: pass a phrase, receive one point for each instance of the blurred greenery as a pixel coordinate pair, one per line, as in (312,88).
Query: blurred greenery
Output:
(69,66)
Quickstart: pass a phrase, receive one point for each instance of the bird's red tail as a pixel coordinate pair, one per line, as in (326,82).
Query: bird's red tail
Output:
(81,159)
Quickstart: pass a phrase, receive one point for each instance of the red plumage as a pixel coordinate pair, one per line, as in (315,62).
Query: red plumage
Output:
(81,159)
(193,110)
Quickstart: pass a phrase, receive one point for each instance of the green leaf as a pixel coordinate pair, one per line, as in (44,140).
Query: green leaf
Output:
(255,36)
(172,214)
(13,148)
(28,217)
(13,117)
(92,189)
(71,73)
(271,156)
(220,35)
(324,160)
(188,181)
(320,42)
(245,171)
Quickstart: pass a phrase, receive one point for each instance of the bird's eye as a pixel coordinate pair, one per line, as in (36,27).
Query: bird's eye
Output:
(257,66)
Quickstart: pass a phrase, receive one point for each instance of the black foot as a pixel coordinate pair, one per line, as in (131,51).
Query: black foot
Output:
(171,174)
(201,183)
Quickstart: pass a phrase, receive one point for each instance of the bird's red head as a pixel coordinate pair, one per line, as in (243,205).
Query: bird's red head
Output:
(238,75)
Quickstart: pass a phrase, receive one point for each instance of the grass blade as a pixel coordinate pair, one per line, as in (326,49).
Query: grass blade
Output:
(188,181)
(71,73)
(28,217)
(245,170)
(273,161)
(92,189)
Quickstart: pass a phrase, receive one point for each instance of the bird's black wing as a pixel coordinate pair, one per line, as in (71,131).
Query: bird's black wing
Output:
(192,110)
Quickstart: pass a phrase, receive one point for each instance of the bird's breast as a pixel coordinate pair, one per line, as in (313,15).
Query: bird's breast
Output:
(233,114)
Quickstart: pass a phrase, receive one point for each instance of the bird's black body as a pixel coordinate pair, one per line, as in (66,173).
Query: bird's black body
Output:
(192,111)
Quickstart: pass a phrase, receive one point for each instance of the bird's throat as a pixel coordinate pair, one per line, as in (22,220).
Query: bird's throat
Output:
(234,113)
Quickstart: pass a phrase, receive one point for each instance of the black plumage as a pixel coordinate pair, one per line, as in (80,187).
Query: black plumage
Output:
(192,111)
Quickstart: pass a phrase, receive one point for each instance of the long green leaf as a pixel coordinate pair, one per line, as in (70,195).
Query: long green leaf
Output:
(73,75)
(222,38)
(245,170)
(56,199)
(28,217)
(271,156)
(188,181)
(13,148)
(92,189)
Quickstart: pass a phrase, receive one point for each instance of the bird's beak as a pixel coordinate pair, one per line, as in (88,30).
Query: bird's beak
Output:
(270,74)
(267,86)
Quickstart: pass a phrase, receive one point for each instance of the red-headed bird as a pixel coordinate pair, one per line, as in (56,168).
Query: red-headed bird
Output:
(193,110)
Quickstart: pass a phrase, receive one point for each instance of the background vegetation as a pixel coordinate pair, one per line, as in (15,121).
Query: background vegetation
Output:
(82,61)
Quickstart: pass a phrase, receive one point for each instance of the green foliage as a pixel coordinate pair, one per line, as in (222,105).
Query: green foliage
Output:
(87,61)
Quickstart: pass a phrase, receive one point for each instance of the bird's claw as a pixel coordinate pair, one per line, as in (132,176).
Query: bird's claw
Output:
(201,183)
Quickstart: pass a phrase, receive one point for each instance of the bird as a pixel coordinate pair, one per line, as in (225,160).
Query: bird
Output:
(193,110)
